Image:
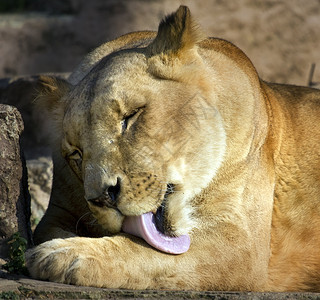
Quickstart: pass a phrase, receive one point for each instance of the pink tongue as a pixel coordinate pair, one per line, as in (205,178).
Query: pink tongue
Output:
(144,226)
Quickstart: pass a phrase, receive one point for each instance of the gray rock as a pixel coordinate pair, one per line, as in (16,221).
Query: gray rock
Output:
(40,181)
(21,92)
(14,195)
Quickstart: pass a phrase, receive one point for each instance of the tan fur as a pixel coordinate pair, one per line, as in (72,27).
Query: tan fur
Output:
(174,109)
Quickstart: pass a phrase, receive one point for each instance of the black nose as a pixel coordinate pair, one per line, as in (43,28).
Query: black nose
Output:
(109,197)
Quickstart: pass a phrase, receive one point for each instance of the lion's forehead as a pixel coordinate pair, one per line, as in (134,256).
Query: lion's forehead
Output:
(115,84)
(113,89)
(118,68)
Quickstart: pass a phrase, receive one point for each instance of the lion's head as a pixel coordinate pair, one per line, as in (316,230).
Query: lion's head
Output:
(141,131)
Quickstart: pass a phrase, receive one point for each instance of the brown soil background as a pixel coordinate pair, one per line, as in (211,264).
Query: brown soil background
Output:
(280,37)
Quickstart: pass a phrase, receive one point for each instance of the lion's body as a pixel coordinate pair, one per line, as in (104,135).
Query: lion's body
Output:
(243,156)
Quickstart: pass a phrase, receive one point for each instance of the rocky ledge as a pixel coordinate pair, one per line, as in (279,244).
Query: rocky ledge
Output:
(20,287)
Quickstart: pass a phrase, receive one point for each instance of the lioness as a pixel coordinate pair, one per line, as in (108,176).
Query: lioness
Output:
(176,167)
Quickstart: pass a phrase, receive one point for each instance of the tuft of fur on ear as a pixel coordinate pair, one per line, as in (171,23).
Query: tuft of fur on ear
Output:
(176,34)
(49,103)
(52,89)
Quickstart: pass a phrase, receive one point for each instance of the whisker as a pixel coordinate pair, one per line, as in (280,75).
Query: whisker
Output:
(84,215)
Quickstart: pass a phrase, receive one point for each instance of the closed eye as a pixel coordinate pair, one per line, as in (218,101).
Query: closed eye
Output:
(75,162)
(130,119)
(75,155)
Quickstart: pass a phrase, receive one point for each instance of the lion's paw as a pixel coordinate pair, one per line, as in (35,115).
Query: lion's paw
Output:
(73,261)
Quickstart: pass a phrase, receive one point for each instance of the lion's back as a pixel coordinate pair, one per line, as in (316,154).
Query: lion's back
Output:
(295,148)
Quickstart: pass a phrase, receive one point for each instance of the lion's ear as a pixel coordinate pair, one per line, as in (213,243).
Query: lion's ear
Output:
(176,34)
(50,95)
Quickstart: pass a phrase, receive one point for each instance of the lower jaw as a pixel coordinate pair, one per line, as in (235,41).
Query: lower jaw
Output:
(111,219)
(160,215)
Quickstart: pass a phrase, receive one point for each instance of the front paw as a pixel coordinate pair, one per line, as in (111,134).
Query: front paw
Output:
(74,261)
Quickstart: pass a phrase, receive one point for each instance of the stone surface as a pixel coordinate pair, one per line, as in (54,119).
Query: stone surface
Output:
(15,199)
(21,287)
(21,93)
(25,288)
(40,173)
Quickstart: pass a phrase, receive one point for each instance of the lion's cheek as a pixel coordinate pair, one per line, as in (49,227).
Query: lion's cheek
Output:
(110,219)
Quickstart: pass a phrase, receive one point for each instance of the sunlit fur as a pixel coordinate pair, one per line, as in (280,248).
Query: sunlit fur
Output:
(183,122)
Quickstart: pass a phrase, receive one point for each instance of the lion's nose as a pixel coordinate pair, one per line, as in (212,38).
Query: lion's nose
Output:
(109,197)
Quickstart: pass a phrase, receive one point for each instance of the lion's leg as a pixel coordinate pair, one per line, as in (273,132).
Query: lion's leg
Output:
(123,261)
(116,262)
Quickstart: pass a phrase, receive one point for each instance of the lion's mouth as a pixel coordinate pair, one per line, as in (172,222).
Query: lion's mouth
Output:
(151,228)
(160,215)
